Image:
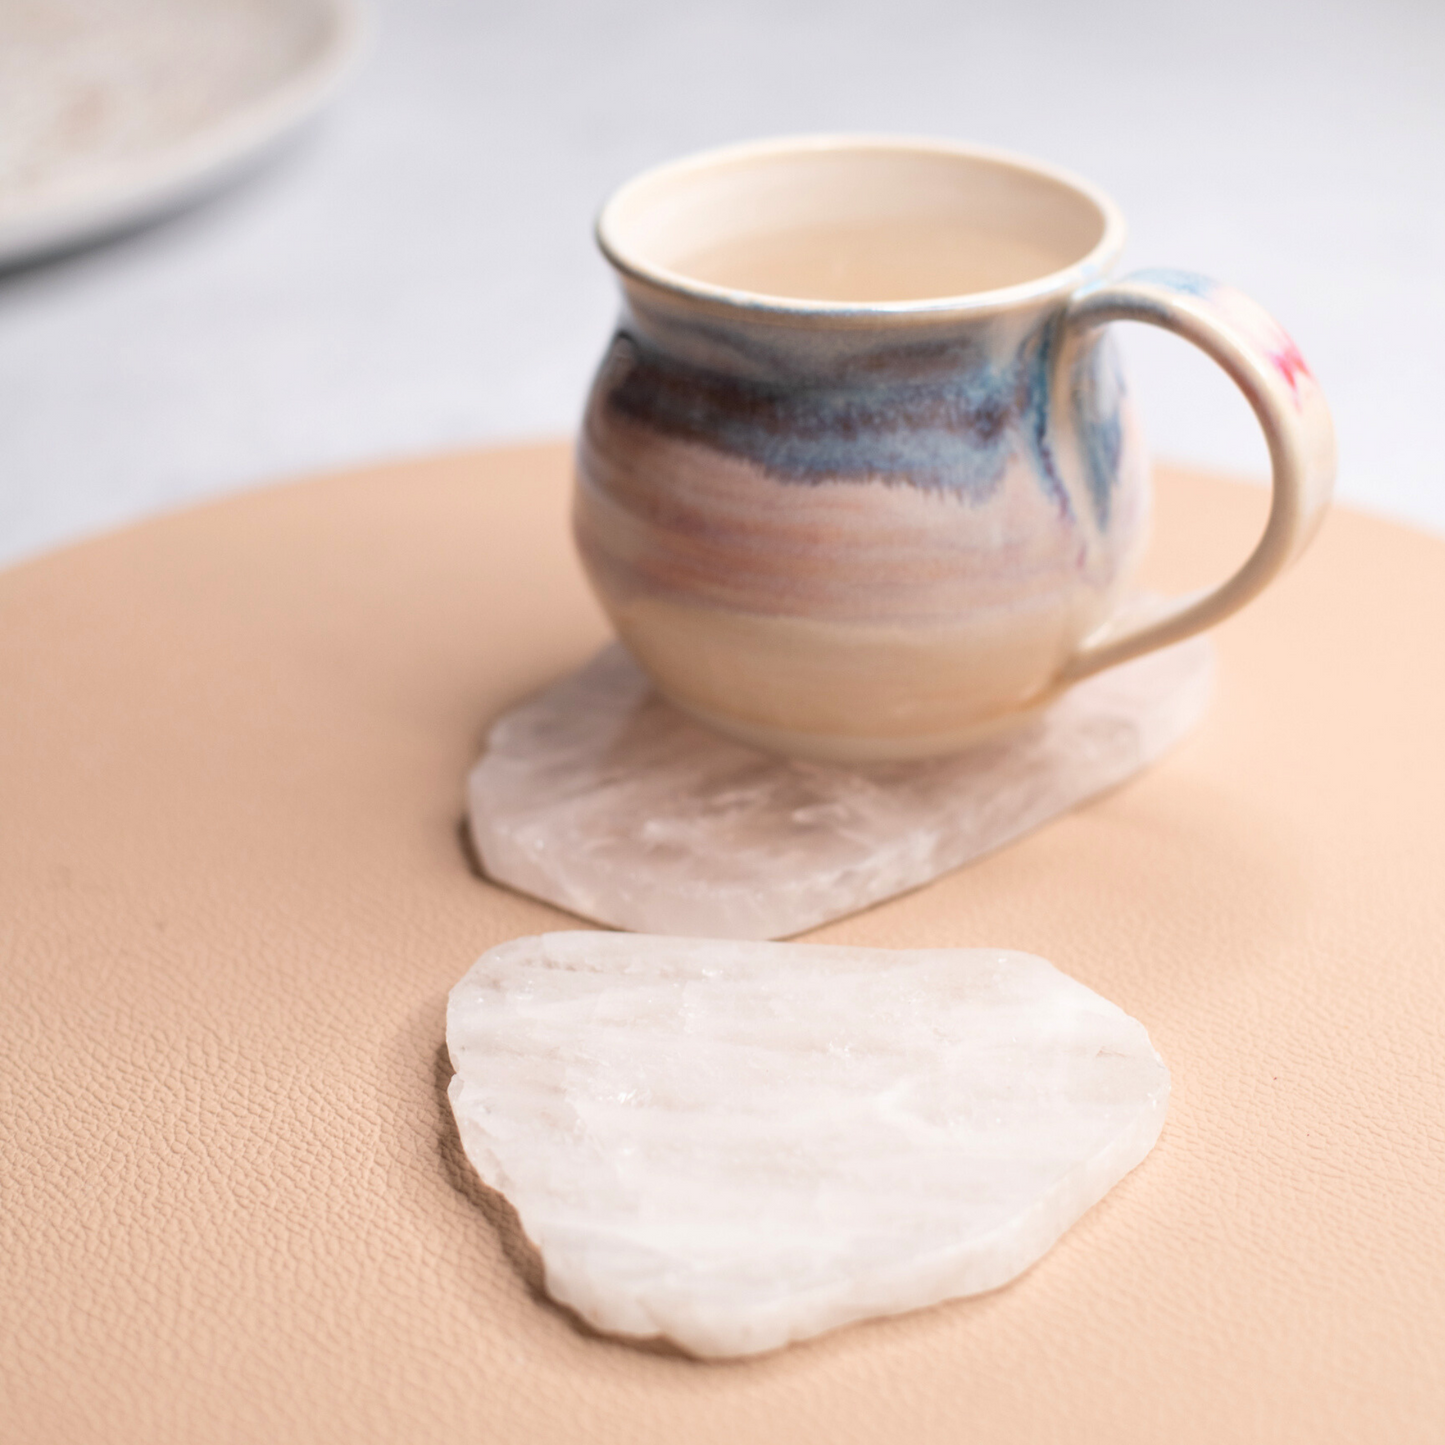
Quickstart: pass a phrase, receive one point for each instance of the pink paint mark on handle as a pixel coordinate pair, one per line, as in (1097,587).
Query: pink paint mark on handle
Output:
(1290,364)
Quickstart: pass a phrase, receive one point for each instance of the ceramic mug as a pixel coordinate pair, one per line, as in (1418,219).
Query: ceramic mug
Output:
(858,478)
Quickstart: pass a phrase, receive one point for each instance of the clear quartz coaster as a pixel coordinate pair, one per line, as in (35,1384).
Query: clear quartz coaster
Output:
(735,1145)
(600,797)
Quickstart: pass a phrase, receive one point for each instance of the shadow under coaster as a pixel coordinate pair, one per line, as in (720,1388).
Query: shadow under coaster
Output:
(599,796)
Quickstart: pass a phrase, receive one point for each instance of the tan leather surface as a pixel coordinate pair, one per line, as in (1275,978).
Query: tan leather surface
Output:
(233,897)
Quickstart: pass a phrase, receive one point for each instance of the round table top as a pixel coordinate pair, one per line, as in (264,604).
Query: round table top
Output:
(234,894)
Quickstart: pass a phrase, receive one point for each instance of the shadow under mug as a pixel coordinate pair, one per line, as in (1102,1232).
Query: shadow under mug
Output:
(859,478)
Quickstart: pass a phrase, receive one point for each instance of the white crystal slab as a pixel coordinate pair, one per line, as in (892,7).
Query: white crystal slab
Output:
(737,1145)
(599,796)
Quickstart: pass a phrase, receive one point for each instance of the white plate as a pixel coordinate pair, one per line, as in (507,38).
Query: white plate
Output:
(114,111)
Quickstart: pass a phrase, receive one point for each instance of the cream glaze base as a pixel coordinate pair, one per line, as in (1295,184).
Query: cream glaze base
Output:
(823,748)
(861,693)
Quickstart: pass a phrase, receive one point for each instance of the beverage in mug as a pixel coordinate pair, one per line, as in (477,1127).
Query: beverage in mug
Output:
(859,478)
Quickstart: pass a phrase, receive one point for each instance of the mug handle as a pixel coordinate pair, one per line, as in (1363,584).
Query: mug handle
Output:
(1267,367)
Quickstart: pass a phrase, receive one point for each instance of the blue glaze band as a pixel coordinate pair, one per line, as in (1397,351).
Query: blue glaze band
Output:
(941,416)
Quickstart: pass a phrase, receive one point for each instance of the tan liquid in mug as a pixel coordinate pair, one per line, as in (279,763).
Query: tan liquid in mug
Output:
(871,261)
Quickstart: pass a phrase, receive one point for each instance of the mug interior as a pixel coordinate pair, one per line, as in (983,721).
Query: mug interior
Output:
(858,222)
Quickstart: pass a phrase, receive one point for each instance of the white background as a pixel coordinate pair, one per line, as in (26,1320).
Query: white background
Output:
(418,273)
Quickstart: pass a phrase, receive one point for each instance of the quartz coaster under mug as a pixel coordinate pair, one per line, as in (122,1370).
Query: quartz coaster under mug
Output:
(861,489)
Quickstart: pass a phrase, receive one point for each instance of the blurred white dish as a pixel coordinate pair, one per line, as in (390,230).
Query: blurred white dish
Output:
(114,111)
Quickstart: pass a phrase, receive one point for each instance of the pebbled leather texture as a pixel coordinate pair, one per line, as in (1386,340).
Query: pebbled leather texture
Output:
(233,895)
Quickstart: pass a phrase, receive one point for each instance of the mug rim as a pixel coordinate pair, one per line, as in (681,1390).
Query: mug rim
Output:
(1053,284)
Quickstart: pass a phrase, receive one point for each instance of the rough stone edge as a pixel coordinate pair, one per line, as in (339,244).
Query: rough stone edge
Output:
(641,911)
